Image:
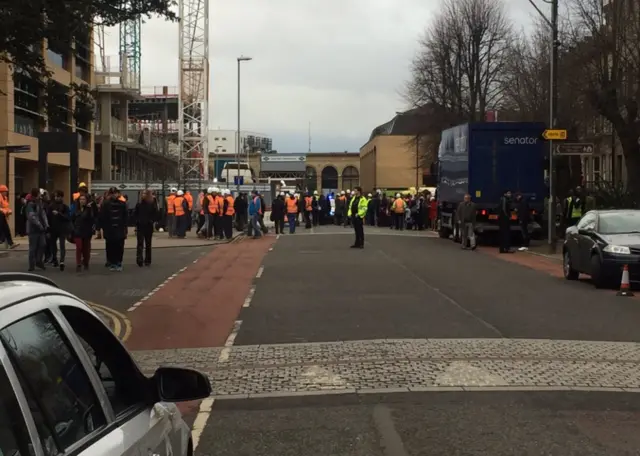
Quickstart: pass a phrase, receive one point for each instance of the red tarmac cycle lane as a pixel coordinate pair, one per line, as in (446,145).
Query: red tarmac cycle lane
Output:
(199,306)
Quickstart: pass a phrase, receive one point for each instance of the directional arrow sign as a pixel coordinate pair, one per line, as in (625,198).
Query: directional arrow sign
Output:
(574,149)
(555,135)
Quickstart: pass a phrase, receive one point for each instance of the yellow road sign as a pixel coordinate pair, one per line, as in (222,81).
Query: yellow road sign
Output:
(555,135)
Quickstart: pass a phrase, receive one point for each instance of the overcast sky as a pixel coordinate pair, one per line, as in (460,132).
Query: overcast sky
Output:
(339,64)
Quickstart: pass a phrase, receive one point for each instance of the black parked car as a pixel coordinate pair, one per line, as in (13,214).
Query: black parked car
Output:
(601,244)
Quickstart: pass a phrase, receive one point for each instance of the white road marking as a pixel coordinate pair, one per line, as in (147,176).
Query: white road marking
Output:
(260,271)
(156,289)
(206,406)
(247,301)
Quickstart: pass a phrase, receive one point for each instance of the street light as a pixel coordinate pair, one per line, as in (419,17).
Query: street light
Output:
(238,145)
(553,112)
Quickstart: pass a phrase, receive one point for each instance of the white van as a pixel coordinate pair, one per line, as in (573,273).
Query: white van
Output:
(232,169)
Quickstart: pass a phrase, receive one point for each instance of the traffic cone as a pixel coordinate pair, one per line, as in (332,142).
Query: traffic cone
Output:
(625,286)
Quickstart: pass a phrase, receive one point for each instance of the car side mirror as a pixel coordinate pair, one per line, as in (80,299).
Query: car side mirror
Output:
(176,384)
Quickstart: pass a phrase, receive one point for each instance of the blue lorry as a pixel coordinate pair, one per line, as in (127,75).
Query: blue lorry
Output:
(485,160)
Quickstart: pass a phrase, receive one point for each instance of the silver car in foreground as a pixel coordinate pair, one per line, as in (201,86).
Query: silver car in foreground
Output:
(69,387)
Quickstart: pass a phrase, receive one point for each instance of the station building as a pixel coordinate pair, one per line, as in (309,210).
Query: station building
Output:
(23,122)
(390,159)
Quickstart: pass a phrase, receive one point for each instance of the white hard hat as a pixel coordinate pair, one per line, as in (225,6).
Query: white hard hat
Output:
(397,195)
(369,195)
(315,192)
(348,191)
(227,191)
(180,193)
(281,193)
(210,190)
(173,189)
(216,190)
(342,192)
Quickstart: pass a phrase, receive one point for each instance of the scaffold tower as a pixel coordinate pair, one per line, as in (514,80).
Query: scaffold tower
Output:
(130,47)
(194,89)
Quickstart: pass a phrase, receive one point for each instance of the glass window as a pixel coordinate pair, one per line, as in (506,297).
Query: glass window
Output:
(14,436)
(588,222)
(619,222)
(51,374)
(124,384)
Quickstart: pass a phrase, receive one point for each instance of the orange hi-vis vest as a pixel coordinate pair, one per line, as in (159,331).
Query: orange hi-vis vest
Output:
(177,204)
(398,206)
(170,207)
(220,204)
(308,203)
(189,199)
(292,206)
(201,201)
(4,206)
(75,196)
(342,197)
(230,208)
(212,204)
(122,198)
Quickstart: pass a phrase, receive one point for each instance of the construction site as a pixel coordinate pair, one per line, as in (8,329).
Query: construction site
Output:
(153,136)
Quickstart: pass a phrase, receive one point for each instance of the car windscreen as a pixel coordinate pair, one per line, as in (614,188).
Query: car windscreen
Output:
(619,222)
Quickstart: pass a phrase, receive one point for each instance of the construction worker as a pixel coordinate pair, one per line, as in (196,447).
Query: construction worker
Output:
(171,212)
(357,211)
(5,213)
(209,207)
(308,210)
(199,208)
(227,216)
(189,198)
(82,190)
(315,208)
(291,206)
(218,232)
(398,208)
(180,211)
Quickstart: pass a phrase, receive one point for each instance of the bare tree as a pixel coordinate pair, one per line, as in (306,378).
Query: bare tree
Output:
(606,45)
(459,72)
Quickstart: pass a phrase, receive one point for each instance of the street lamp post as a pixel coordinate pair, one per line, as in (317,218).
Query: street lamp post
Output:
(238,141)
(553,113)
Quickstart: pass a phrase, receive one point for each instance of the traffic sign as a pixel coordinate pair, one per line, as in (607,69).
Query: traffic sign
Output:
(575,149)
(555,135)
(238,180)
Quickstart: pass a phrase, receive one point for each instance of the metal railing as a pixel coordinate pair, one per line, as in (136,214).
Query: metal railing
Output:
(110,74)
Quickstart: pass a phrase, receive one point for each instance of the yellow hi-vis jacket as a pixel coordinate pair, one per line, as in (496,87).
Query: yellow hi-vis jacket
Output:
(363,204)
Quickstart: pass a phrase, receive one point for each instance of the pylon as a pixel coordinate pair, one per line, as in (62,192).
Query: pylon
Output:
(625,286)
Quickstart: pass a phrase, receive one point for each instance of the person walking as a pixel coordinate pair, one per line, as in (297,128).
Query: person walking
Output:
(60,219)
(145,216)
(113,220)
(37,227)
(466,218)
(357,211)
(84,222)
(255,210)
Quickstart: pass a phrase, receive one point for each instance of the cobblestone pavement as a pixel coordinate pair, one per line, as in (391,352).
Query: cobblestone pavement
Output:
(408,365)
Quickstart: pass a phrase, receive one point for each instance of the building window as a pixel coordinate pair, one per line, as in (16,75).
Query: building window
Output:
(27,118)
(58,111)
(59,50)
(224,139)
(350,178)
(224,150)
(329,178)
(217,139)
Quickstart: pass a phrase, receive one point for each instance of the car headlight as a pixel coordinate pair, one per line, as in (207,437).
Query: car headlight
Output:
(617,249)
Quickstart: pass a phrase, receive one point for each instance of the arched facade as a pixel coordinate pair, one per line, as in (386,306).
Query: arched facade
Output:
(311,178)
(350,177)
(329,177)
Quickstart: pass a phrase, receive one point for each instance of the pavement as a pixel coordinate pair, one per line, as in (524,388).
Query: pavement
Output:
(409,346)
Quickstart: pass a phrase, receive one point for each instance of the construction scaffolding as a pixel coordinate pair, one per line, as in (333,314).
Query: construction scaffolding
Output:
(130,45)
(194,89)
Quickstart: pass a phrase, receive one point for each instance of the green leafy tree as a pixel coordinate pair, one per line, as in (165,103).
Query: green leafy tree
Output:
(24,25)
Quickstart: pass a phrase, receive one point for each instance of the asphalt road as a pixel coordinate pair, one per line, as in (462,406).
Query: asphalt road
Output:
(115,290)
(390,351)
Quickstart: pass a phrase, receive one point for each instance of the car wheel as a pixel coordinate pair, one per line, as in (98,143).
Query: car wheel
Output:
(597,277)
(567,267)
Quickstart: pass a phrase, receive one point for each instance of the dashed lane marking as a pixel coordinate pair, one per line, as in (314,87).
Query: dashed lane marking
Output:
(260,271)
(156,289)
(247,301)
(121,324)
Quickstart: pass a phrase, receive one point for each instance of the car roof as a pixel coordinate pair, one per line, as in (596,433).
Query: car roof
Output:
(615,211)
(16,287)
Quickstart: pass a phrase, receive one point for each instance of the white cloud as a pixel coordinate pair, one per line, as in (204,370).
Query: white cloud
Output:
(339,64)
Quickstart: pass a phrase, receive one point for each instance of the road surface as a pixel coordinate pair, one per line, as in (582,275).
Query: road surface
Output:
(408,347)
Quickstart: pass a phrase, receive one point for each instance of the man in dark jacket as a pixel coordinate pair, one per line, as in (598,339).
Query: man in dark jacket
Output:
(145,215)
(278,212)
(60,226)
(466,218)
(524,217)
(113,220)
(504,222)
